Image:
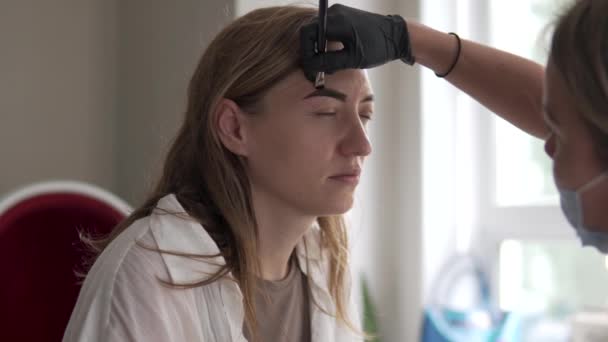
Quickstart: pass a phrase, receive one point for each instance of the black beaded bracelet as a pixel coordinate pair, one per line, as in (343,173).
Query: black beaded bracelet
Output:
(455,59)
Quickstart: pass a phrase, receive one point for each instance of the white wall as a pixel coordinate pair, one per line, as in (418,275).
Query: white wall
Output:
(57,91)
(93,90)
(159,46)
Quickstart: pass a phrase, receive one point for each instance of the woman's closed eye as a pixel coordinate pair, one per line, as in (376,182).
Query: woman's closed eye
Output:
(326,113)
(365,117)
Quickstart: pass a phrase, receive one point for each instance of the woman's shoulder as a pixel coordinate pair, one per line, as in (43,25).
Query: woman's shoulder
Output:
(161,246)
(105,281)
(132,250)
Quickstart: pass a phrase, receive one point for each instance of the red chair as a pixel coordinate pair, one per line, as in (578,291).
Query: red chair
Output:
(40,250)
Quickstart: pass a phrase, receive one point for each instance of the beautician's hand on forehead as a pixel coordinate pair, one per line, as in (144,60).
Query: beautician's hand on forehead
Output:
(369,40)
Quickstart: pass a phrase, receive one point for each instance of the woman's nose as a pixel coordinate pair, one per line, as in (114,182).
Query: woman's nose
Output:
(356,142)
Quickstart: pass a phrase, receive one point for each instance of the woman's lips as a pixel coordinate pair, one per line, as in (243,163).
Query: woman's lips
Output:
(348,179)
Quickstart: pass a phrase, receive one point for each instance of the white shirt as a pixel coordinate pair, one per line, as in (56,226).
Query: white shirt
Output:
(123,300)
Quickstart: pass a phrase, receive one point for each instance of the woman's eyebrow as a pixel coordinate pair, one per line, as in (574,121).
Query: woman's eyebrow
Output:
(328,92)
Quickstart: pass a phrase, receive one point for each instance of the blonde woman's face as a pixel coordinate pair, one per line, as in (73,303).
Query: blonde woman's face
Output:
(307,146)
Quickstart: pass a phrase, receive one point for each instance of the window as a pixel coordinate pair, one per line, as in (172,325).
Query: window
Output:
(488,187)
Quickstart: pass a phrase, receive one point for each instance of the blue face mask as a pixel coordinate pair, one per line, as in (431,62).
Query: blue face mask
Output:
(572,206)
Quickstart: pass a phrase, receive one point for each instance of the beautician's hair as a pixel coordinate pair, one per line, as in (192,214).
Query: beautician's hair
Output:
(579,51)
(242,63)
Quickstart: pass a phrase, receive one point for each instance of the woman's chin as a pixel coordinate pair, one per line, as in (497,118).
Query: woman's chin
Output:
(337,207)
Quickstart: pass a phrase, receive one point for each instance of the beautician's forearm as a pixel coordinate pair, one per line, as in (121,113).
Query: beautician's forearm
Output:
(508,85)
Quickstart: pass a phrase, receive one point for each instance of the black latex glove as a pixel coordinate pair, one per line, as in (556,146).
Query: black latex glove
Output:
(369,40)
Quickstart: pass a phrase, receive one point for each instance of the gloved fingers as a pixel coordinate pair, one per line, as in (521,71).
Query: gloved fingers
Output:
(340,29)
(337,30)
(311,65)
(337,60)
(308,39)
(328,62)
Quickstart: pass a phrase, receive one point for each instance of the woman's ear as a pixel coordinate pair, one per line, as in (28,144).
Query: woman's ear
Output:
(230,125)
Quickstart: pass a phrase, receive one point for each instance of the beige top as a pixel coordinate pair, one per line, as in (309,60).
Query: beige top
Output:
(283,308)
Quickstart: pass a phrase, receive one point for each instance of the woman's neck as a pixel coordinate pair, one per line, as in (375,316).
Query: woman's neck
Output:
(280,230)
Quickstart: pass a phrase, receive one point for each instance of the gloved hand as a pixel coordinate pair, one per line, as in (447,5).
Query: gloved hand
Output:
(369,40)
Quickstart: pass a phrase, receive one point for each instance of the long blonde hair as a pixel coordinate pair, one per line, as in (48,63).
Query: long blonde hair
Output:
(244,60)
(579,51)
